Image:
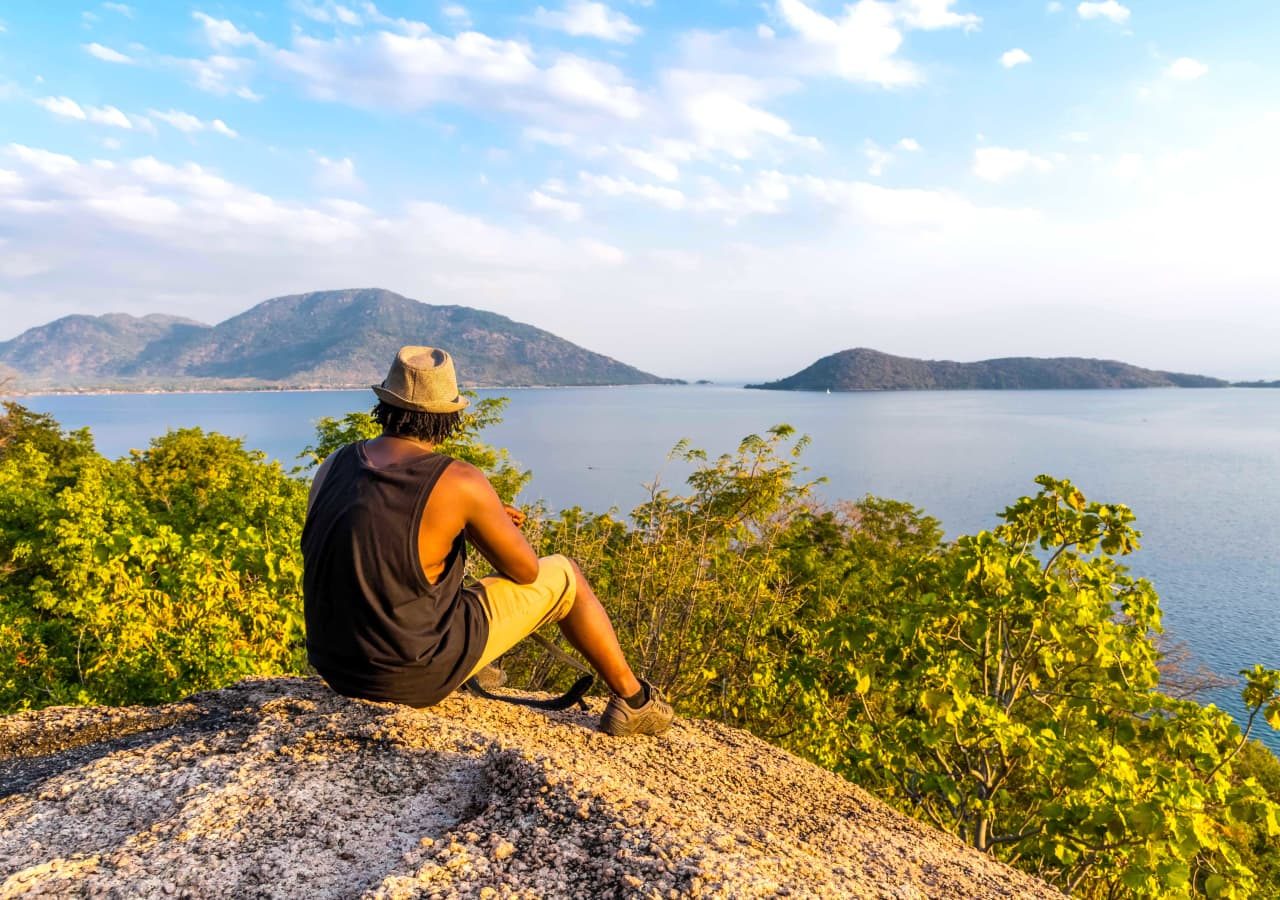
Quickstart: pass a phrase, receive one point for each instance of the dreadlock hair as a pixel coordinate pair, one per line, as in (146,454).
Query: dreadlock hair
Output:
(423,426)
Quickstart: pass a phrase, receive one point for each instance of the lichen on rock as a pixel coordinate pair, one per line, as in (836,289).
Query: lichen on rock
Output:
(280,788)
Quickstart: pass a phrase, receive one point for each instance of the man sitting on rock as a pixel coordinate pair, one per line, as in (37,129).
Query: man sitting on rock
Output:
(387,614)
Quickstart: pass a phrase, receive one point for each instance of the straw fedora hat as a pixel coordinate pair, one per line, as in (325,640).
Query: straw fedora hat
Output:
(422,379)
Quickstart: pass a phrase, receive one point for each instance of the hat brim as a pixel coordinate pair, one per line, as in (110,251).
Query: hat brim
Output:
(438,406)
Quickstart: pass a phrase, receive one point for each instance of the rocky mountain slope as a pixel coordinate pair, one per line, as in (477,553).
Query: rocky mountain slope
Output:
(862,369)
(279,788)
(322,339)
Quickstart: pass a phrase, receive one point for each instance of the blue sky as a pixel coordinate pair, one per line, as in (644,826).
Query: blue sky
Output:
(713,189)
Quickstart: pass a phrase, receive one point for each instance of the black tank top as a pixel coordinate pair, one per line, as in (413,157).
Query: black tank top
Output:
(376,628)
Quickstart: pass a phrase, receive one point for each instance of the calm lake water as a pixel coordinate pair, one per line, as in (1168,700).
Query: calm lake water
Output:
(1201,468)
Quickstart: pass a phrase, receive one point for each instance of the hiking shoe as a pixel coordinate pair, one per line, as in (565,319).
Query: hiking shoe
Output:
(654,717)
(490,678)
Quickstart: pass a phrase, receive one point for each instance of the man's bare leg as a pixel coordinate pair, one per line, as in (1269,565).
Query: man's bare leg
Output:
(588,629)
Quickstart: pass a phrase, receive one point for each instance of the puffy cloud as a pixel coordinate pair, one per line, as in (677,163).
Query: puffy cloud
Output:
(106,54)
(457,14)
(877,158)
(721,113)
(337,174)
(67,108)
(415,70)
(1001,163)
(62,106)
(602,252)
(584,18)
(221,33)
(568,210)
(911,145)
(861,45)
(109,115)
(189,124)
(931,15)
(1186,69)
(609,186)
(328,12)
(1015,57)
(768,193)
(1104,9)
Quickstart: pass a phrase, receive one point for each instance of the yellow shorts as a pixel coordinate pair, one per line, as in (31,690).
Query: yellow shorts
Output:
(516,611)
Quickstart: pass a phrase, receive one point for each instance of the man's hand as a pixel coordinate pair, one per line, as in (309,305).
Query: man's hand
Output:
(515,515)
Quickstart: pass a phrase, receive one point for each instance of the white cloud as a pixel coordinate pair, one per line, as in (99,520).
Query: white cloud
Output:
(602,252)
(656,164)
(221,33)
(67,108)
(220,74)
(584,18)
(861,45)
(106,54)
(877,158)
(411,71)
(109,115)
(558,206)
(62,106)
(43,162)
(911,145)
(121,8)
(1129,166)
(328,12)
(1186,69)
(931,15)
(609,186)
(765,33)
(721,113)
(1015,57)
(457,14)
(1078,137)
(337,174)
(765,195)
(189,124)
(1053,6)
(1001,163)
(1105,9)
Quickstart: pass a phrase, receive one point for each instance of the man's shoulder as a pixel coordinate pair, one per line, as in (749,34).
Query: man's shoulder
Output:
(461,473)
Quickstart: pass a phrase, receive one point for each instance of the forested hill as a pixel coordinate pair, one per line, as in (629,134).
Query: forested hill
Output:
(323,339)
(869,370)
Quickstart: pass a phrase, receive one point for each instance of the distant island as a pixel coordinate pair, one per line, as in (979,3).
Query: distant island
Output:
(862,369)
(325,339)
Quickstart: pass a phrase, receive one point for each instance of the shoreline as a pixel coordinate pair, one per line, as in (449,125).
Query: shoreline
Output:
(151,392)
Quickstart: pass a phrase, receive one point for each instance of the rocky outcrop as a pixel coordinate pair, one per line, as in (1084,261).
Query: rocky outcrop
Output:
(279,788)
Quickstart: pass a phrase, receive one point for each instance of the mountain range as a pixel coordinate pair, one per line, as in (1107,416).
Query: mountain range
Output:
(322,339)
(861,369)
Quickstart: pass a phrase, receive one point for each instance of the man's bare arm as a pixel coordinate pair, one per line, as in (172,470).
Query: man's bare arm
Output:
(492,531)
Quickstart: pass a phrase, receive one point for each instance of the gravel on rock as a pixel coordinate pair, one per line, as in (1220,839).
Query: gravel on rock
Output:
(279,788)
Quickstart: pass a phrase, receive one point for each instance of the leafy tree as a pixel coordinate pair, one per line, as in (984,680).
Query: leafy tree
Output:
(1008,691)
(507,478)
(143,579)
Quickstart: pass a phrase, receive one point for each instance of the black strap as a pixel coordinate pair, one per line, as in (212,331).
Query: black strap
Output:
(570,697)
